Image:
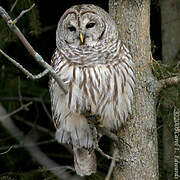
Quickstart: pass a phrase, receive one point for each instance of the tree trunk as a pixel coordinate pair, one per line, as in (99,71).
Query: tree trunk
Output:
(170,26)
(133,20)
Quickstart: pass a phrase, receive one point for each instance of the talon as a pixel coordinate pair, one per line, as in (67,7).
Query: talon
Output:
(89,109)
(91,114)
(89,121)
(98,117)
(101,125)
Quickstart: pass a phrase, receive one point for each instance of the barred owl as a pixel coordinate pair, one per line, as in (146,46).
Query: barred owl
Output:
(99,73)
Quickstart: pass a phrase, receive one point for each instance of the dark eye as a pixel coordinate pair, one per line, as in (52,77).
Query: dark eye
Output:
(72,28)
(90,25)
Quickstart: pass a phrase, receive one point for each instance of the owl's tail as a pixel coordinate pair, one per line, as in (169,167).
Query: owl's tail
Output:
(84,161)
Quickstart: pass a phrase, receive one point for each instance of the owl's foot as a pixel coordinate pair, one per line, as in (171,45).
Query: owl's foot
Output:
(92,118)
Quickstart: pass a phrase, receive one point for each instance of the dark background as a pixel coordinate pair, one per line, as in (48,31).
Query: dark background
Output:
(39,27)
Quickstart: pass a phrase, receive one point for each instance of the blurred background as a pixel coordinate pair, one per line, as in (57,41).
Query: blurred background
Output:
(27,134)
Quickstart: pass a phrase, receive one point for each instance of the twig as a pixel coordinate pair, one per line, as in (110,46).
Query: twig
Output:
(19,91)
(45,109)
(9,148)
(97,146)
(106,155)
(108,133)
(13,6)
(30,49)
(26,72)
(34,99)
(38,127)
(118,141)
(15,111)
(22,145)
(35,151)
(22,13)
(43,130)
(92,119)
(40,60)
(112,165)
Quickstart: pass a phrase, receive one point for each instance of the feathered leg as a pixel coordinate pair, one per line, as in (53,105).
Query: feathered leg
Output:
(84,161)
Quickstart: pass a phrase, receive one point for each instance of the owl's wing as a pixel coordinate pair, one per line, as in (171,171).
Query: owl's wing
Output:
(71,127)
(59,111)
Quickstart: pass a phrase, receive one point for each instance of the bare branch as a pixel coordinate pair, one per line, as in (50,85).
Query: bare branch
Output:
(25,71)
(42,129)
(118,141)
(40,60)
(34,99)
(35,151)
(106,155)
(108,133)
(46,111)
(9,148)
(13,6)
(38,127)
(22,144)
(22,13)
(169,81)
(19,91)
(112,165)
(155,86)
(30,49)
(98,148)
(15,111)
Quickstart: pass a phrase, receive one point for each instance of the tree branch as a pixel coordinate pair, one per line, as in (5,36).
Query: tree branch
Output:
(38,127)
(34,99)
(22,13)
(25,71)
(155,86)
(29,48)
(13,6)
(15,111)
(169,81)
(9,148)
(94,132)
(40,60)
(34,150)
(118,141)
(113,163)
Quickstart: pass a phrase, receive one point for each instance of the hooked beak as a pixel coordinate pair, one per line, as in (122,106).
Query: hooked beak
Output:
(81,36)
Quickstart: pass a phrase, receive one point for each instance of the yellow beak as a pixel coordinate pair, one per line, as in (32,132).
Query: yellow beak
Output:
(81,38)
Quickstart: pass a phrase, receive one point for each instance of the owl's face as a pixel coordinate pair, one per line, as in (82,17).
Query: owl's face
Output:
(83,25)
(87,29)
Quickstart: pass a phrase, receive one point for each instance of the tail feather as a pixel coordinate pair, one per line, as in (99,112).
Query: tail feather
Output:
(84,161)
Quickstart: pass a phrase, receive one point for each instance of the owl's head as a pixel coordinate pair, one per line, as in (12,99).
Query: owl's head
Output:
(85,25)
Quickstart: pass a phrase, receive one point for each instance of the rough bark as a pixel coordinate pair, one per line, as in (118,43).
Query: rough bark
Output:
(133,20)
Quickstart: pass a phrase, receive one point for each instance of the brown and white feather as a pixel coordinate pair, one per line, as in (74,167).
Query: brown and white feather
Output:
(98,75)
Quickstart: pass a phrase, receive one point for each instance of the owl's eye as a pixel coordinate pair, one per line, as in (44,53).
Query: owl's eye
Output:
(90,25)
(72,28)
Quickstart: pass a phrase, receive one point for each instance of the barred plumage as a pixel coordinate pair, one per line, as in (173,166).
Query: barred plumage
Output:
(99,74)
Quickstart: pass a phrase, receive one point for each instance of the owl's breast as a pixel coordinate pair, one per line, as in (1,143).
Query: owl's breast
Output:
(87,86)
(104,86)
